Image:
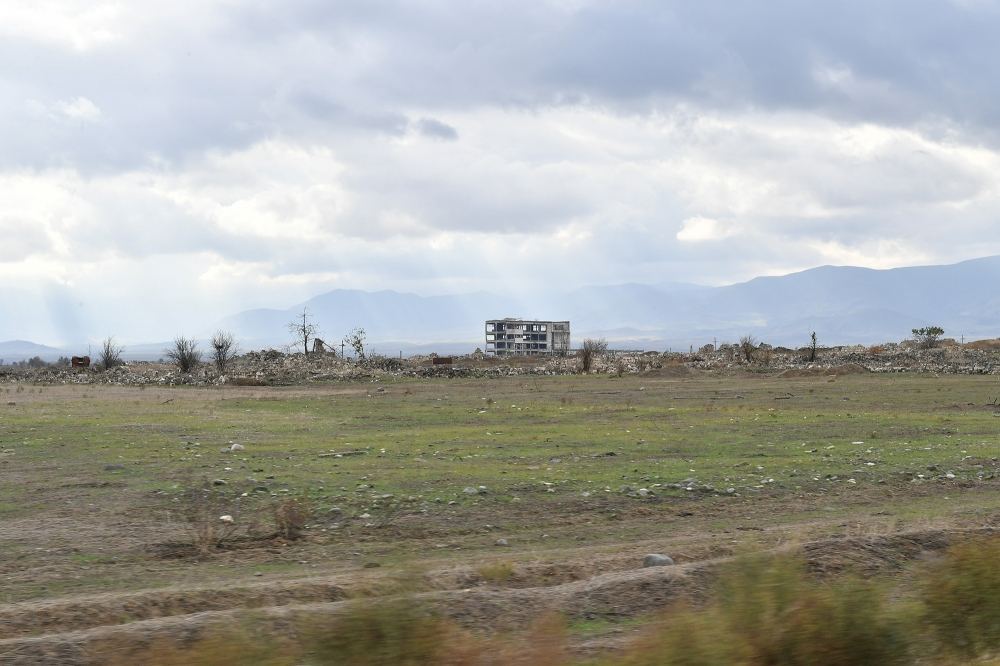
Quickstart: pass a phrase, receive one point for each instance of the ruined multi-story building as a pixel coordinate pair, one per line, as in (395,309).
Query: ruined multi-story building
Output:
(526,337)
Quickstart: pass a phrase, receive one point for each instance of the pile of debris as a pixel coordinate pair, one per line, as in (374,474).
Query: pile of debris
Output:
(949,358)
(275,368)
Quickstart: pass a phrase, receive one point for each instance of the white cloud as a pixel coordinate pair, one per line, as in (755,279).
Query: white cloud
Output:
(78,25)
(700,229)
(79,108)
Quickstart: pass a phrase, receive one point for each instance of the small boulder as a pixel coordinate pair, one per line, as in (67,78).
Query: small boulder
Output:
(470,490)
(226,519)
(236,447)
(656,560)
(220,482)
(501,542)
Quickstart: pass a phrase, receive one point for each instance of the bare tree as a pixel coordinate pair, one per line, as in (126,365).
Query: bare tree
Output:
(591,348)
(356,341)
(748,348)
(184,354)
(303,328)
(224,350)
(110,354)
(812,347)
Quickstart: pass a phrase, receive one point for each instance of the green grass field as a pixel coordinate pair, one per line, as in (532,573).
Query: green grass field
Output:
(90,473)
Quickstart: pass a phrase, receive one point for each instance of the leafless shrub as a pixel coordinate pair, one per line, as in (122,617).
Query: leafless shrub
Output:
(591,349)
(748,348)
(212,515)
(224,350)
(291,516)
(184,354)
(110,354)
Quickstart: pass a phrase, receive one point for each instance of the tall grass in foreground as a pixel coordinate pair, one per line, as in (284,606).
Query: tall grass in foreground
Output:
(960,596)
(766,611)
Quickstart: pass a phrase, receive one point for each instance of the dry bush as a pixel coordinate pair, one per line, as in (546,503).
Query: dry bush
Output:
(224,350)
(184,354)
(110,354)
(748,348)
(961,597)
(590,350)
(291,516)
(202,508)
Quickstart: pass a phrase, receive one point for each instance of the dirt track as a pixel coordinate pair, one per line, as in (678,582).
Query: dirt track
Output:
(83,629)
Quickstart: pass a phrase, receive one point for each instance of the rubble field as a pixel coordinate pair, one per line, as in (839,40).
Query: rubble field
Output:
(276,368)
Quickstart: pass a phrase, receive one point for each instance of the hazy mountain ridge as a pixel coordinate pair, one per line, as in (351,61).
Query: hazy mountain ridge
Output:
(844,305)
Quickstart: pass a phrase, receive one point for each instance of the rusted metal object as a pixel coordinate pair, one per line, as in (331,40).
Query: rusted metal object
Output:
(80,362)
(442,360)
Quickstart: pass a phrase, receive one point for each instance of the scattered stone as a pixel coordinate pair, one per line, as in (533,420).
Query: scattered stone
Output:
(501,542)
(471,490)
(220,482)
(656,560)
(236,447)
(226,519)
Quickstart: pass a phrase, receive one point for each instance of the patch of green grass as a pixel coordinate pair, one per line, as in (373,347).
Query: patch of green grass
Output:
(554,454)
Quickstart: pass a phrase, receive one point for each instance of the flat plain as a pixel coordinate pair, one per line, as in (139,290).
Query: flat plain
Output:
(575,477)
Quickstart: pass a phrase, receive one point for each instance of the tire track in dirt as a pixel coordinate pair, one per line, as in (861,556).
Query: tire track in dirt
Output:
(614,594)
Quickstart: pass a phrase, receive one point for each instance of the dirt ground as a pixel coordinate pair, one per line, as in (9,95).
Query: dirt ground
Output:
(94,555)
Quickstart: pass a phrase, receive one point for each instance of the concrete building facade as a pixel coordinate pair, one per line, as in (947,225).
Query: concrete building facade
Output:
(526,337)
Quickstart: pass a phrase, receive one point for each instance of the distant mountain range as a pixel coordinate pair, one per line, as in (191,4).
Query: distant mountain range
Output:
(17,350)
(844,305)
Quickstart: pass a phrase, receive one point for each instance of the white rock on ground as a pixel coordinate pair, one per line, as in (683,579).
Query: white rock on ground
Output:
(656,560)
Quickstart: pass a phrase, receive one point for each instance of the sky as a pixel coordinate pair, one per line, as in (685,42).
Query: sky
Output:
(163,165)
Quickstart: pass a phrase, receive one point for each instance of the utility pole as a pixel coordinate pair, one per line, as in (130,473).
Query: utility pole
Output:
(341,349)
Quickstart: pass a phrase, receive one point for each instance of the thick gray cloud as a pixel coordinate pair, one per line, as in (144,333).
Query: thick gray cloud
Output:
(262,152)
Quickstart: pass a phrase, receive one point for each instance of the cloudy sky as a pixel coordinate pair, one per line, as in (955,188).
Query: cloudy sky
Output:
(164,164)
